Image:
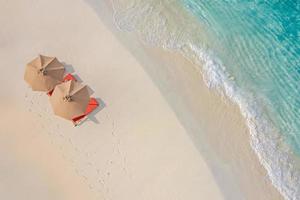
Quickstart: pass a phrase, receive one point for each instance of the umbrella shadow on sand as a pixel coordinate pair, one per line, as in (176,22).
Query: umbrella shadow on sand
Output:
(69,69)
(92,116)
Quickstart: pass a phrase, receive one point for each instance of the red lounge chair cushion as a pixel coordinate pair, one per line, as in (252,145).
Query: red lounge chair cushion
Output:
(93,104)
(69,77)
(50,92)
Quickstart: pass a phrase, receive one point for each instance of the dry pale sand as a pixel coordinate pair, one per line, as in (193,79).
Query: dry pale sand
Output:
(156,136)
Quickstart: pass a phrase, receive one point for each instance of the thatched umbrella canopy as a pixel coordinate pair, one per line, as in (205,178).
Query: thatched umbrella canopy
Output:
(44,73)
(70,99)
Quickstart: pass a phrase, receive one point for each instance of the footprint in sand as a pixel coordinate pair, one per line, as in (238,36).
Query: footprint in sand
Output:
(91,186)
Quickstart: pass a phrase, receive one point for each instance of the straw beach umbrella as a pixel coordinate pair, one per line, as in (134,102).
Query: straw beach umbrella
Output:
(70,99)
(44,73)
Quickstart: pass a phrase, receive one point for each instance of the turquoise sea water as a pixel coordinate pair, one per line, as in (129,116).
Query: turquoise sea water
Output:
(248,51)
(259,42)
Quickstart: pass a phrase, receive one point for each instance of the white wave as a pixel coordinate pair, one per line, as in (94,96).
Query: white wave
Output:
(170,29)
(272,152)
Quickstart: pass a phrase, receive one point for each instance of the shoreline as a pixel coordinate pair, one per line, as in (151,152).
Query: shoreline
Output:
(231,110)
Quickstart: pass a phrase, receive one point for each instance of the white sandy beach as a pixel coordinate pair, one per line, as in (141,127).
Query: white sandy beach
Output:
(155,136)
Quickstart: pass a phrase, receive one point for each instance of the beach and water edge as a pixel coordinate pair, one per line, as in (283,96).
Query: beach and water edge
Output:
(197,102)
(165,131)
(168,25)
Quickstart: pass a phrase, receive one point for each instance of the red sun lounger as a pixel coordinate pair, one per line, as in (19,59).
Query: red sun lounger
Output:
(69,77)
(93,104)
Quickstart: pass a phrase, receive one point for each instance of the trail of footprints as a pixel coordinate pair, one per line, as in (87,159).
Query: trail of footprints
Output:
(117,145)
(99,178)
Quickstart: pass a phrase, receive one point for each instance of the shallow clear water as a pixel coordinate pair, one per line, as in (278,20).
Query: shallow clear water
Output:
(259,42)
(248,51)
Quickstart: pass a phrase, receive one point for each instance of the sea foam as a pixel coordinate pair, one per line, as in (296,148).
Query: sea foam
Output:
(166,24)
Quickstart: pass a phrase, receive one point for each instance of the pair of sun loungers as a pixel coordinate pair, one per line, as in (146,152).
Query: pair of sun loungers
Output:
(93,103)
